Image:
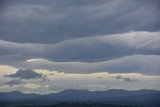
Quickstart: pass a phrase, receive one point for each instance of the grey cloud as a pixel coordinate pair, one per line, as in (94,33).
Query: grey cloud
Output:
(99,78)
(128,52)
(107,47)
(125,79)
(45,78)
(14,82)
(90,49)
(36,21)
(143,64)
(25,74)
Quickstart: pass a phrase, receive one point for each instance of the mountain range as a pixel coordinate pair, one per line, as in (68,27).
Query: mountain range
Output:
(144,97)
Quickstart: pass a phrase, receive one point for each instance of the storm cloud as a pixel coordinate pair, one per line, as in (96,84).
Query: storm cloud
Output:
(90,49)
(136,52)
(36,21)
(82,36)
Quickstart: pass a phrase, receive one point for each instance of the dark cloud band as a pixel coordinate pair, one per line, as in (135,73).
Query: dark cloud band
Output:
(37,20)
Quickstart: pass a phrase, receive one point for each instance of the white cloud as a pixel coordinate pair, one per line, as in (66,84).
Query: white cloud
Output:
(5,70)
(82,81)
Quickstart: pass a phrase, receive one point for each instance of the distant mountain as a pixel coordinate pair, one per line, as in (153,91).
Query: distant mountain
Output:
(16,96)
(68,96)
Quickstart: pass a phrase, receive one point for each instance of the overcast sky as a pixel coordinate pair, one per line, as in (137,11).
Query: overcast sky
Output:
(51,45)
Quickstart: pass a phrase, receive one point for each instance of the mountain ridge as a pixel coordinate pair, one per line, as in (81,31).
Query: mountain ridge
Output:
(72,95)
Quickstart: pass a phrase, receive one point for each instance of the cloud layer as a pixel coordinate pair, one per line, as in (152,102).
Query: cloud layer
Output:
(36,21)
(72,40)
(129,52)
(144,64)
(88,49)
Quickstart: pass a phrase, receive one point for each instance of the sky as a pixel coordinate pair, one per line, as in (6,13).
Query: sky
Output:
(48,46)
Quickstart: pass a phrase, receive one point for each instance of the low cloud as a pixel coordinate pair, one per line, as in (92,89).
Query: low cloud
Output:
(125,79)
(25,74)
(14,82)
